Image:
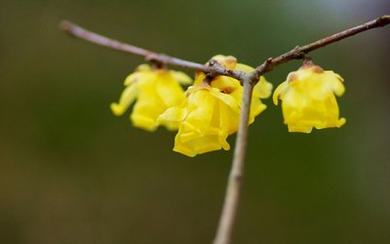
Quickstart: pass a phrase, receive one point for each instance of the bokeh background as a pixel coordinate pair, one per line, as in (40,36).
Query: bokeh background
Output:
(70,172)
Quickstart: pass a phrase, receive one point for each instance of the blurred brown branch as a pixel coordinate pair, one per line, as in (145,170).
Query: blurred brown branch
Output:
(212,68)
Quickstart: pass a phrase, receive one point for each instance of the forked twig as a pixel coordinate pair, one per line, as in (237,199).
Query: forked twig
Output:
(228,216)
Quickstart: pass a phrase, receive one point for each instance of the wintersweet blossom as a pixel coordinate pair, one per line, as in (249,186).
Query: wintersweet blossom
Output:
(308,99)
(154,90)
(211,111)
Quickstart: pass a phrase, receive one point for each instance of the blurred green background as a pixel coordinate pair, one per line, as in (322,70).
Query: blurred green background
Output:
(70,172)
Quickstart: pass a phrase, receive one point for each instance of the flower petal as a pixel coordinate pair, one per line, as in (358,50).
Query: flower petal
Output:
(279,91)
(182,77)
(127,98)
(263,89)
(173,117)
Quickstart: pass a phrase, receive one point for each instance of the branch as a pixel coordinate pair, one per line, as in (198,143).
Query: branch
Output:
(233,189)
(298,52)
(79,32)
(229,212)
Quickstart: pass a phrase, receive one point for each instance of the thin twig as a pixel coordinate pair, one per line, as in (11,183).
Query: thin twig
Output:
(300,52)
(233,189)
(79,32)
(229,212)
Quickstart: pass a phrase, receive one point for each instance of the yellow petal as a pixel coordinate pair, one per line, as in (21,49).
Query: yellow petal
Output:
(138,77)
(143,72)
(228,118)
(228,62)
(182,78)
(201,105)
(127,98)
(168,89)
(336,82)
(225,84)
(200,145)
(143,68)
(262,89)
(256,108)
(279,91)
(173,117)
(145,114)
(225,98)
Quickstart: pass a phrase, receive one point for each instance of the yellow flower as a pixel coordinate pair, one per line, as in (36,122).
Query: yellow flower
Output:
(211,111)
(155,91)
(308,99)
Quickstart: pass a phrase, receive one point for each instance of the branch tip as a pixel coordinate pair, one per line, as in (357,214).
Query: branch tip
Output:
(65,25)
(384,20)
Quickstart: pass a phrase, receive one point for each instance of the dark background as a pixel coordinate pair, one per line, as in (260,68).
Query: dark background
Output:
(71,172)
